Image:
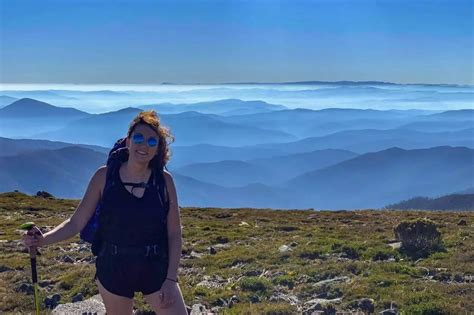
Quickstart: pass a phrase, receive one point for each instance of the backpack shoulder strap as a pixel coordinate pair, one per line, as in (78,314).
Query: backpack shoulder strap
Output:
(159,183)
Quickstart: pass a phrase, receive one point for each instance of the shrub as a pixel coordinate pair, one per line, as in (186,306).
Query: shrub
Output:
(426,308)
(255,284)
(44,194)
(285,280)
(419,237)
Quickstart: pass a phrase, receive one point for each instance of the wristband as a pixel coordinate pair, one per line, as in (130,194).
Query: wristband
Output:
(172,280)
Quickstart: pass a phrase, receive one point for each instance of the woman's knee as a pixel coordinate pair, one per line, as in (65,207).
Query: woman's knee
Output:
(178,307)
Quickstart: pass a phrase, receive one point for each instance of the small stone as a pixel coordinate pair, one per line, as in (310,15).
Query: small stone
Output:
(365,304)
(233,300)
(462,222)
(252,273)
(44,283)
(26,288)
(77,298)
(212,250)
(53,301)
(198,309)
(4,268)
(222,239)
(67,259)
(284,248)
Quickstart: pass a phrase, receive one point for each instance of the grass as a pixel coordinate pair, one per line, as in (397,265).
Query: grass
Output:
(348,245)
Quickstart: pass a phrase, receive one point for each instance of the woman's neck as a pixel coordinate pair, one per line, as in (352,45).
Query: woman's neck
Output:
(136,172)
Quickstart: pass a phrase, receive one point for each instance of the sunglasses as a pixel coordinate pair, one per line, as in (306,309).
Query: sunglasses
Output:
(138,138)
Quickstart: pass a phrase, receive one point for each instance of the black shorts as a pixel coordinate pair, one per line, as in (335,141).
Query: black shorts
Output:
(125,275)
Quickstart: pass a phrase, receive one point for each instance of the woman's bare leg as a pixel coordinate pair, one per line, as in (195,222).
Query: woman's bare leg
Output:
(177,308)
(115,304)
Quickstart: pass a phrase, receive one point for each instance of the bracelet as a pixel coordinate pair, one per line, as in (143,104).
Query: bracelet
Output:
(172,280)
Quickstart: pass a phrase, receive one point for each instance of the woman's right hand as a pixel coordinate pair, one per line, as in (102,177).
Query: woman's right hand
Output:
(33,237)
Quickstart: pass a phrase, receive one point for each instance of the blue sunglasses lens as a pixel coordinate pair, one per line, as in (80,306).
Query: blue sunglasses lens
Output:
(152,142)
(138,138)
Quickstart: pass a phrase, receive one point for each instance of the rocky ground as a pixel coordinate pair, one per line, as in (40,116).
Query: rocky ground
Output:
(258,261)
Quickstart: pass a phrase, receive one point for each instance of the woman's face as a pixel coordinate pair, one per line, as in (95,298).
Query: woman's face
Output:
(142,144)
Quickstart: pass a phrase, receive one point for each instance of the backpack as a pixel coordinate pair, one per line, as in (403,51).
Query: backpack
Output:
(117,155)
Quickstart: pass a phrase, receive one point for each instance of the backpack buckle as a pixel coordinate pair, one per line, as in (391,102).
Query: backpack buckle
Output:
(114,249)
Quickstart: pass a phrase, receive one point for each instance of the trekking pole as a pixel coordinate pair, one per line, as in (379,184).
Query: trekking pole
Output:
(33,230)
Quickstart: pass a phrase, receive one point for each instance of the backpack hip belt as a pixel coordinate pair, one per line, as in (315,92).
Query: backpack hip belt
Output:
(146,251)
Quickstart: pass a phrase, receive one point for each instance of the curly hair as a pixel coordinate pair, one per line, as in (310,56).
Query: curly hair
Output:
(151,119)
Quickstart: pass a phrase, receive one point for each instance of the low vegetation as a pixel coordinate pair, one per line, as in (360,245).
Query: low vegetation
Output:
(262,261)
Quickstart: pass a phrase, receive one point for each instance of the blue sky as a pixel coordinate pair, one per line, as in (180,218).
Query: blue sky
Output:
(149,42)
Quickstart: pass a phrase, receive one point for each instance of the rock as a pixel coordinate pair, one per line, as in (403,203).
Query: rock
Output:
(77,298)
(282,297)
(443,276)
(252,273)
(212,250)
(284,248)
(220,302)
(462,222)
(4,268)
(222,239)
(198,309)
(216,310)
(336,279)
(25,288)
(53,301)
(254,298)
(294,244)
(67,259)
(321,306)
(44,283)
(233,300)
(93,306)
(213,282)
(366,305)
(195,255)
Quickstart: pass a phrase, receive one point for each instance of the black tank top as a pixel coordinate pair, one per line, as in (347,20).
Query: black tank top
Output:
(126,220)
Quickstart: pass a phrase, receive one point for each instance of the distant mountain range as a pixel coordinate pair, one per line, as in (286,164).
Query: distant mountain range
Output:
(26,117)
(268,171)
(6,100)
(27,108)
(375,179)
(64,172)
(188,127)
(12,147)
(234,153)
(39,120)
(226,107)
(449,202)
(370,180)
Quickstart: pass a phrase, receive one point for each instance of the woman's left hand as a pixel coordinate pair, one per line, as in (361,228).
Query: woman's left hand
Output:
(168,290)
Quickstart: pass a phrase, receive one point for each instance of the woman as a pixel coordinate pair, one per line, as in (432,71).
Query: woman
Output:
(129,217)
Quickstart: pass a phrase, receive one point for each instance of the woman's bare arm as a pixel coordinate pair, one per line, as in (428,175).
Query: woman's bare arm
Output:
(81,216)
(174,228)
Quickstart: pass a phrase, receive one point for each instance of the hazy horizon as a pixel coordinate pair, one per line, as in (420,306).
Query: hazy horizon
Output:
(214,42)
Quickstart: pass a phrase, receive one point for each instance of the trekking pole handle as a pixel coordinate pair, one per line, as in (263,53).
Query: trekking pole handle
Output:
(33,230)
